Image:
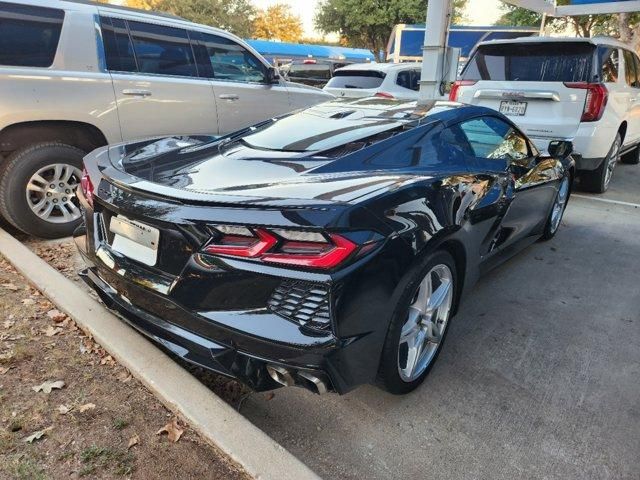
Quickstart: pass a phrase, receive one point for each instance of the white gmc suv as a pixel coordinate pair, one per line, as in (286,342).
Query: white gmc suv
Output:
(586,90)
(77,75)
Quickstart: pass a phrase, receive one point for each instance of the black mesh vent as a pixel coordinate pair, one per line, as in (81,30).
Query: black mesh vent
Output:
(304,302)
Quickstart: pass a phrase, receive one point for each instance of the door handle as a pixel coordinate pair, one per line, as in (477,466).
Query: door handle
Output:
(137,93)
(230,96)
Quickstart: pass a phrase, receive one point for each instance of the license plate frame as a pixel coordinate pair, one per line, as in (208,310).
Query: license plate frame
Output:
(513,108)
(135,240)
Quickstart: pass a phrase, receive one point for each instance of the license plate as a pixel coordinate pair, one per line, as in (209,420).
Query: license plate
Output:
(135,240)
(513,108)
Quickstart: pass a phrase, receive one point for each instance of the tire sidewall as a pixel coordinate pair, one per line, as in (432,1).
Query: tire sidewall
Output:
(16,173)
(388,372)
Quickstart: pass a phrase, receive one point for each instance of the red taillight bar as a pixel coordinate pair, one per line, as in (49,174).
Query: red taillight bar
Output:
(329,258)
(595,102)
(453,94)
(241,246)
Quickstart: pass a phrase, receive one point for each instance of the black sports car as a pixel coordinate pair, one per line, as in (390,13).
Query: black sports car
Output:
(327,248)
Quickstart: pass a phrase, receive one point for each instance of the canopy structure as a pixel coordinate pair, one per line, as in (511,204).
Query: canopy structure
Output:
(279,52)
(552,8)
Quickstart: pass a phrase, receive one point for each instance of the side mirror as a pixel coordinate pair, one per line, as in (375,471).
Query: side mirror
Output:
(272,75)
(560,149)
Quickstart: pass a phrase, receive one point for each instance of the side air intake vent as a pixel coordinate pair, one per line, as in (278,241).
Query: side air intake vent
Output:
(303,302)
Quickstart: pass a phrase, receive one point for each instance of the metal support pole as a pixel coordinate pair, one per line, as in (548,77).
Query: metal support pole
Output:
(434,49)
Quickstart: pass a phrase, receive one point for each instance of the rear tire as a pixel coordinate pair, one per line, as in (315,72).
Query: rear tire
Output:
(412,323)
(633,157)
(598,180)
(37,189)
(557,211)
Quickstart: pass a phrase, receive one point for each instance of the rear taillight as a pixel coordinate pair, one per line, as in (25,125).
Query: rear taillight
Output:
(455,88)
(384,95)
(86,186)
(284,247)
(596,101)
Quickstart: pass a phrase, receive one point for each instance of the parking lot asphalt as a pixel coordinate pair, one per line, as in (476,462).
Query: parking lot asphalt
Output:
(539,376)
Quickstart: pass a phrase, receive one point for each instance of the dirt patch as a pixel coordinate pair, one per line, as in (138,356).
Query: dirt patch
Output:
(89,417)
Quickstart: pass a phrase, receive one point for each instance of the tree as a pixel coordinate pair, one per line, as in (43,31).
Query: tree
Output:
(368,23)
(278,23)
(629,29)
(235,16)
(518,17)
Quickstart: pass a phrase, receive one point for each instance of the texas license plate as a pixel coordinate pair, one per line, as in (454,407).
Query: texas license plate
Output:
(135,240)
(513,108)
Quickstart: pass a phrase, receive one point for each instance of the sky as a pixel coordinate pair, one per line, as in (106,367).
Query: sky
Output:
(479,12)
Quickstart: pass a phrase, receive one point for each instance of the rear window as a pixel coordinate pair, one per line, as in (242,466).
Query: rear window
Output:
(310,71)
(356,79)
(532,62)
(29,35)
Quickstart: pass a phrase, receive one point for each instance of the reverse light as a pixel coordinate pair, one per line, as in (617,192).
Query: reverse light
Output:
(280,246)
(595,102)
(87,186)
(384,95)
(455,88)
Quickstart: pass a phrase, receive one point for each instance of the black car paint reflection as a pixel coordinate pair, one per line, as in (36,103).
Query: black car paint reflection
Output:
(408,188)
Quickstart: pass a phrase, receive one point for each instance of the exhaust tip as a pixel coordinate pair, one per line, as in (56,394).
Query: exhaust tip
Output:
(280,375)
(315,383)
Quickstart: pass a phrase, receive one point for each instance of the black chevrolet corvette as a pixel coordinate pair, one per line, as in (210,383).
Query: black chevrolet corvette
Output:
(325,249)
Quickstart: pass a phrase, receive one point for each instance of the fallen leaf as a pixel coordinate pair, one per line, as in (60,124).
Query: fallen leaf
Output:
(10,286)
(63,409)
(133,441)
(86,406)
(6,356)
(47,386)
(8,323)
(28,301)
(269,396)
(4,370)
(52,331)
(124,376)
(172,429)
(37,435)
(56,315)
(107,360)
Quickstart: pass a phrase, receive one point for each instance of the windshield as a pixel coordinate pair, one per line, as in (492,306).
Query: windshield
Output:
(356,79)
(532,62)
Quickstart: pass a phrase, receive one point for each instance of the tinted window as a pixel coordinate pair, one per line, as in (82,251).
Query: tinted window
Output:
(356,79)
(227,60)
(319,71)
(630,69)
(491,138)
(609,61)
(118,48)
(541,62)
(409,79)
(162,50)
(29,35)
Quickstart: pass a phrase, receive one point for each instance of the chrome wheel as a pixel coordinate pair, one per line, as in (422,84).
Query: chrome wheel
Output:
(426,323)
(560,204)
(612,160)
(51,193)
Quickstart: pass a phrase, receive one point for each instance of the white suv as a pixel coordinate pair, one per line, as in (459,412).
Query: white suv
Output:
(586,90)
(76,75)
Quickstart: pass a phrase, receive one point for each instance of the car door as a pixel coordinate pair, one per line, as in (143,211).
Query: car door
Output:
(155,79)
(532,180)
(239,81)
(632,90)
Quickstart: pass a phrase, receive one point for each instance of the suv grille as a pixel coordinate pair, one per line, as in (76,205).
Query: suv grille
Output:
(303,302)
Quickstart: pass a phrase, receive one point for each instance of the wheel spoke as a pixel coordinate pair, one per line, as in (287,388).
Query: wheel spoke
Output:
(58,172)
(414,351)
(439,296)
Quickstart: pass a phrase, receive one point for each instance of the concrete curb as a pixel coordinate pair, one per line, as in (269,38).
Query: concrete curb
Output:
(209,415)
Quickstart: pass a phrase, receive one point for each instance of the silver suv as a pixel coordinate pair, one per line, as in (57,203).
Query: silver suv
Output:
(77,75)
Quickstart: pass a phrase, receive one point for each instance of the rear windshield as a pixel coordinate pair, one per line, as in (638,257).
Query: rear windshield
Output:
(310,71)
(356,79)
(541,62)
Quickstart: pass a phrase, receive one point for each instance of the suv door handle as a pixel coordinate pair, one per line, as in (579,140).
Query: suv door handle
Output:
(137,93)
(229,96)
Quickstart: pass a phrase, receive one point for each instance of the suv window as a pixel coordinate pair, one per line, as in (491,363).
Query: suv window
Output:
(356,79)
(118,48)
(29,35)
(162,50)
(610,61)
(532,62)
(409,79)
(631,74)
(491,138)
(223,59)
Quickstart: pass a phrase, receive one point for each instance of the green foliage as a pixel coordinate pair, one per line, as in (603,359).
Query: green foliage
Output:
(368,23)
(518,17)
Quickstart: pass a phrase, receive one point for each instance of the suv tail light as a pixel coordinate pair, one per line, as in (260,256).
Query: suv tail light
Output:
(596,101)
(453,94)
(384,95)
(87,186)
(284,247)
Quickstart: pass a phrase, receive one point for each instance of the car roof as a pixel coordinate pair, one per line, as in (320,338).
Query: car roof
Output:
(382,67)
(600,40)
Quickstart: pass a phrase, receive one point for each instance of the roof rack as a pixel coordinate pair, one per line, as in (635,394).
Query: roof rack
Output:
(128,9)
